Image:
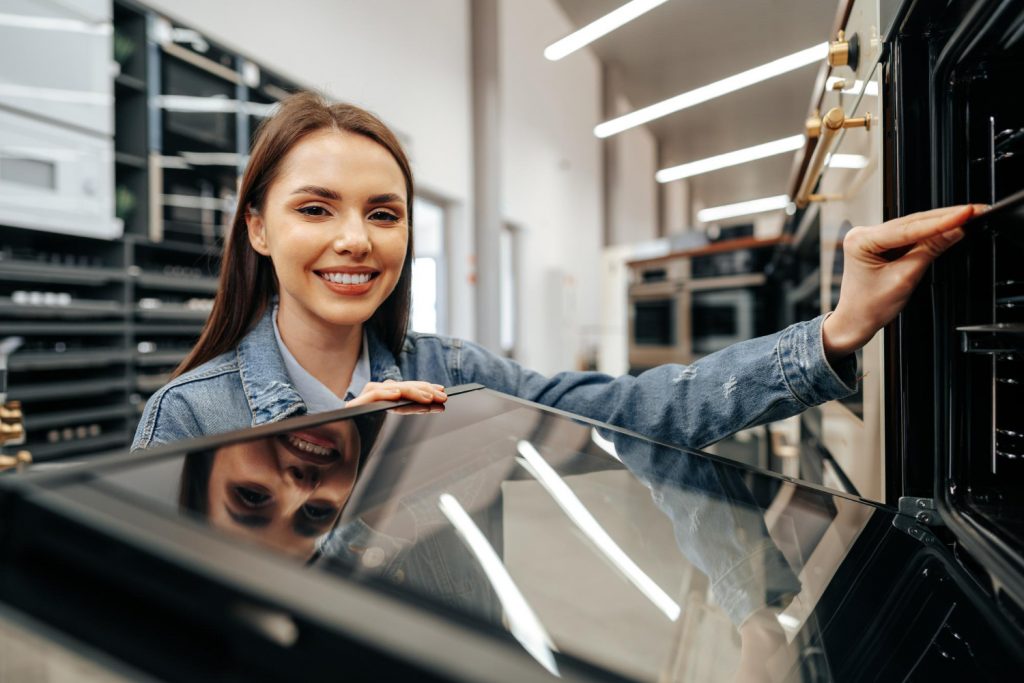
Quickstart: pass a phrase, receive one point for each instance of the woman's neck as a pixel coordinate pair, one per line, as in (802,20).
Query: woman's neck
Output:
(327,352)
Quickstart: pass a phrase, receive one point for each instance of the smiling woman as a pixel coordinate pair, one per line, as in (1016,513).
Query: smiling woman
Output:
(312,310)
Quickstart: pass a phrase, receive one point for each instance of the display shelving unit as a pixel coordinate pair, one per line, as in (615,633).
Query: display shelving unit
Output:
(105,322)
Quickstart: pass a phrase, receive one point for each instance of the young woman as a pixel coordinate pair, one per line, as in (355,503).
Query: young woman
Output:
(313,305)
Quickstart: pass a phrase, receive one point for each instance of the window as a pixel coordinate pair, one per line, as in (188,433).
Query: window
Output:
(429,270)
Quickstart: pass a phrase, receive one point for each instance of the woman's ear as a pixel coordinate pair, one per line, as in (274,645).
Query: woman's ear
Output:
(257,231)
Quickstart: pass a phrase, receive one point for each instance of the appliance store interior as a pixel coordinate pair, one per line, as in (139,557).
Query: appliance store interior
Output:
(504,340)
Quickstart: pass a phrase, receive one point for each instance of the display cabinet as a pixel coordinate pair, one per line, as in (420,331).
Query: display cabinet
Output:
(103,322)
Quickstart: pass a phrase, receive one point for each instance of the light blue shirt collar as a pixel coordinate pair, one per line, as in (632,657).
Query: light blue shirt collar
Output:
(317,397)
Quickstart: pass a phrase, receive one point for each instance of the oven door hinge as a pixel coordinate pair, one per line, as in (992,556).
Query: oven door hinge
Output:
(916,517)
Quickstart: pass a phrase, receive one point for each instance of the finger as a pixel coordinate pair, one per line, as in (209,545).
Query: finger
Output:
(886,236)
(933,247)
(931,213)
(373,395)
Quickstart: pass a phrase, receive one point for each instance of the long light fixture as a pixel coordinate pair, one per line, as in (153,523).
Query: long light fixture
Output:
(740,156)
(717,213)
(600,27)
(712,90)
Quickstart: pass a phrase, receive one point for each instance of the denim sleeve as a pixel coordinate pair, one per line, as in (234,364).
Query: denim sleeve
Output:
(168,417)
(749,383)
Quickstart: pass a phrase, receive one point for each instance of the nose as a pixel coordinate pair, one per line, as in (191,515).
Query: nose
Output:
(352,237)
(305,477)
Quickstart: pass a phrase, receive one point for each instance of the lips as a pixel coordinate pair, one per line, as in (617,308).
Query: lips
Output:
(350,282)
(310,448)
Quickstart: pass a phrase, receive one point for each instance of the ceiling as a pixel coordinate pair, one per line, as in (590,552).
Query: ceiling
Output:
(684,44)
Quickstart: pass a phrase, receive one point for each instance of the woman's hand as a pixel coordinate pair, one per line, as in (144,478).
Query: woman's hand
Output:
(883,264)
(390,390)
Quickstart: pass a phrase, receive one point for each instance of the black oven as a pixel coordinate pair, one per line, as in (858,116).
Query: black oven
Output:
(955,357)
(722,317)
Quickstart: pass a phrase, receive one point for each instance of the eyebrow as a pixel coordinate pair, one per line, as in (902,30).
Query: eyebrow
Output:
(326,193)
(251,521)
(318,191)
(386,198)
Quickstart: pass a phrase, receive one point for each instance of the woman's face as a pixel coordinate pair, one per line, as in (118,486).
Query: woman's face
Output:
(334,224)
(285,491)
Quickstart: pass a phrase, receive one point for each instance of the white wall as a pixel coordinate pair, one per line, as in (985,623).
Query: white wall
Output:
(632,191)
(408,62)
(552,182)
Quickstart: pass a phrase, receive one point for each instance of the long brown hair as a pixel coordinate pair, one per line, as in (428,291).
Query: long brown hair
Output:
(247,281)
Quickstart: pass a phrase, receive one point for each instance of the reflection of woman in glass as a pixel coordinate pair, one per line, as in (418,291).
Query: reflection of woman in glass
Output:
(312,308)
(285,491)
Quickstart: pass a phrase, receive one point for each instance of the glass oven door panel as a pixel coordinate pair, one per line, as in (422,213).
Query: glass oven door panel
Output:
(568,540)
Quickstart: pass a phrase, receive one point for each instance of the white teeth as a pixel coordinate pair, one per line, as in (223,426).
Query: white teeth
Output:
(308,447)
(347,278)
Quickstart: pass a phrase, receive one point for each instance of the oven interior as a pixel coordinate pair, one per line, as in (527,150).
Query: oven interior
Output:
(979,289)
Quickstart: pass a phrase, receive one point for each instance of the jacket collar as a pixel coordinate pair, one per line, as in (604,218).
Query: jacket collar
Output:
(265,380)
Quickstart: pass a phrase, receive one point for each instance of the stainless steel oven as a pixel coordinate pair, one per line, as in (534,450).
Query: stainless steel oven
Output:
(659,315)
(722,317)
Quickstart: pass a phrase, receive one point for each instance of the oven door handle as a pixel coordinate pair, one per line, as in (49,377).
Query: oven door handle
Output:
(826,130)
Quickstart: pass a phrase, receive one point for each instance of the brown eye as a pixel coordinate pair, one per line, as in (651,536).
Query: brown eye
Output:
(385,216)
(251,497)
(317,211)
(319,513)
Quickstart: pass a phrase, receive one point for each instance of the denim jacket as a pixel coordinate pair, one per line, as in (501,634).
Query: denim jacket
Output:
(749,383)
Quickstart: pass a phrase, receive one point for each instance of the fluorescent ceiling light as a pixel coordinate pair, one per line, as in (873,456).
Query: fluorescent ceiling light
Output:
(870,90)
(596,29)
(717,213)
(523,622)
(713,90)
(536,465)
(847,161)
(740,156)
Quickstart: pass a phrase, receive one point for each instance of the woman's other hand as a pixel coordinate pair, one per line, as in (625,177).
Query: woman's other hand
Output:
(882,266)
(390,390)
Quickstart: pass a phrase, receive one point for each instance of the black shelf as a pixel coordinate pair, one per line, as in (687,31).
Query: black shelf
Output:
(63,329)
(80,447)
(133,160)
(66,418)
(48,391)
(53,360)
(52,274)
(126,82)
(76,308)
(159,358)
(205,285)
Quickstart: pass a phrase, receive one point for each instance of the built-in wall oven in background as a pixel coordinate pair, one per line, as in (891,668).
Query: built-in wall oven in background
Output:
(57,117)
(659,314)
(722,317)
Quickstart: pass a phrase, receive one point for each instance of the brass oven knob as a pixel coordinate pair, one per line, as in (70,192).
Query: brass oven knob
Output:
(843,52)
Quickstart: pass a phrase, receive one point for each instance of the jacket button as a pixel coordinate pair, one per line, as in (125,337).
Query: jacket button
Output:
(373,557)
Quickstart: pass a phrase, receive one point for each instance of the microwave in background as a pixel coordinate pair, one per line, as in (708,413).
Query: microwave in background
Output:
(57,118)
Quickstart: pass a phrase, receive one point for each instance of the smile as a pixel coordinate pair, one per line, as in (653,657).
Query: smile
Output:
(308,447)
(348,278)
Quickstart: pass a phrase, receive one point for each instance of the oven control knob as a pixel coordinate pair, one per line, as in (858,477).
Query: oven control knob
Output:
(843,52)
